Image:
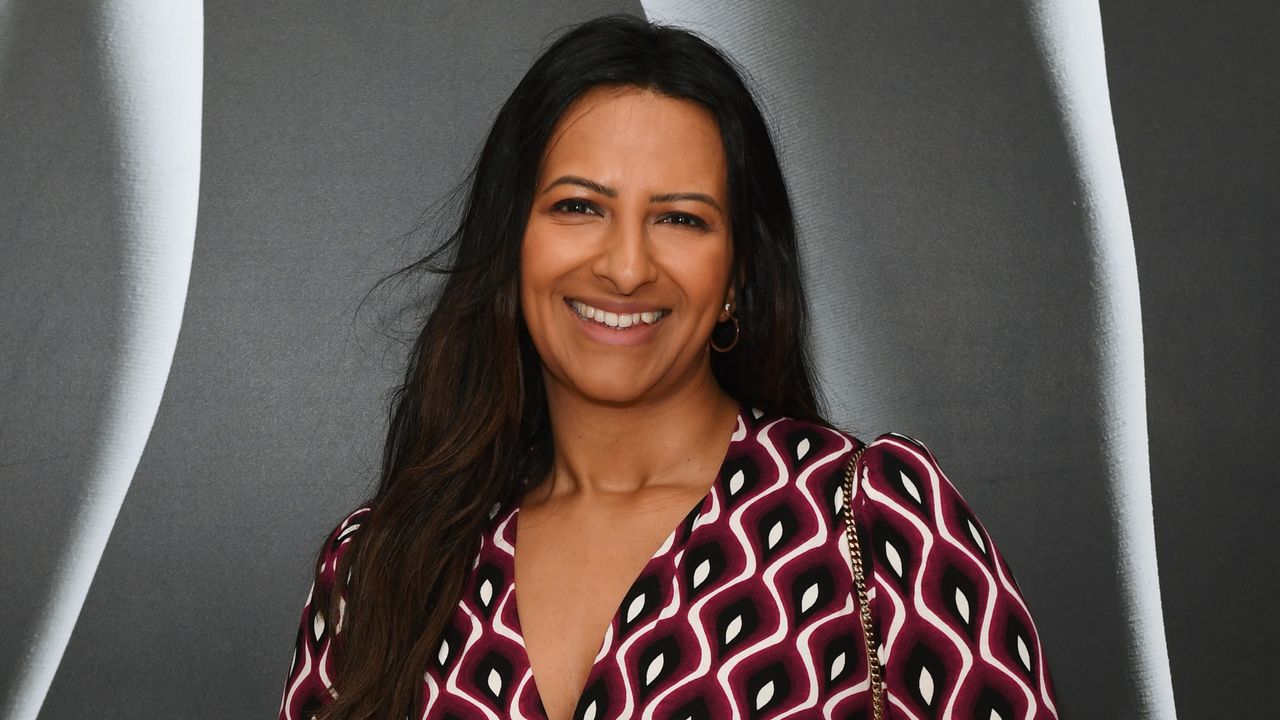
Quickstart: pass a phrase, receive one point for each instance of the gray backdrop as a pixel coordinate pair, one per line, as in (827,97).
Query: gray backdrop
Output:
(1037,237)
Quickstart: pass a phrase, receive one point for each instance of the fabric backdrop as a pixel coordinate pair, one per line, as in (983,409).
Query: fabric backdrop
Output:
(1039,236)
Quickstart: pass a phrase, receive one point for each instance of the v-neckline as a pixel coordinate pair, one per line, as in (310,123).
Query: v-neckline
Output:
(741,429)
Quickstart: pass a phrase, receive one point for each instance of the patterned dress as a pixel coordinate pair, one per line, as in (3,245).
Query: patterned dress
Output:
(748,609)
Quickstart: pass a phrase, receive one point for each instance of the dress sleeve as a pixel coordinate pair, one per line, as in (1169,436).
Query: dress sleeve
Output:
(957,639)
(309,685)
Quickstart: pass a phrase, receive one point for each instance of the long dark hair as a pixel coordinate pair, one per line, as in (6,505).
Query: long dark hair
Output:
(470,419)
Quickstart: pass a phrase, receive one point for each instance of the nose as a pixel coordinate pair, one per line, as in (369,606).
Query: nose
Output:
(625,259)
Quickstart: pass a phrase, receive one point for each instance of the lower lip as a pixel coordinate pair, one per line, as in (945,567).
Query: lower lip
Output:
(635,335)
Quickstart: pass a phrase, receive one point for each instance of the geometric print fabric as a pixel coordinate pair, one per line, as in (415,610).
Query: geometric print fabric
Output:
(748,609)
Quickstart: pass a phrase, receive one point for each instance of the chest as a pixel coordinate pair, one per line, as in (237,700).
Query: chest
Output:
(739,607)
(575,568)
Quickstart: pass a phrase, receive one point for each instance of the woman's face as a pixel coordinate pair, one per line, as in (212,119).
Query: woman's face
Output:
(627,253)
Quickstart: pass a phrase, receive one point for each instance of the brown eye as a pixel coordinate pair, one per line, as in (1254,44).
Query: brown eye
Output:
(692,221)
(574,206)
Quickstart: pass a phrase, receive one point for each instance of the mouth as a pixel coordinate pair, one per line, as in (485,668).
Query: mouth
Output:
(616,321)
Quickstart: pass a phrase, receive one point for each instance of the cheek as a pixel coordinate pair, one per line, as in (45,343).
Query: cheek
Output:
(704,276)
(533,260)
(542,263)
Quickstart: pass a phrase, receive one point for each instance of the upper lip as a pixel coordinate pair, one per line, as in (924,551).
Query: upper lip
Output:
(617,306)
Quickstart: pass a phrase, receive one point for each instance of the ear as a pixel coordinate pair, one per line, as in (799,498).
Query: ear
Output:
(731,300)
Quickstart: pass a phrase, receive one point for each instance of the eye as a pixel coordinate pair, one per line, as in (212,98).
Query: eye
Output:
(692,221)
(574,206)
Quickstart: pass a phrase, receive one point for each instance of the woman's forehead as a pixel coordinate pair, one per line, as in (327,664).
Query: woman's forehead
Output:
(636,135)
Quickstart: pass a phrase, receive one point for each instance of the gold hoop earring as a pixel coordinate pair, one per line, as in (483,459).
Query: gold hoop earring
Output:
(737,332)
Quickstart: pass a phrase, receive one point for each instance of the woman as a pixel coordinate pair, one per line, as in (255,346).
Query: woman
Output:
(616,373)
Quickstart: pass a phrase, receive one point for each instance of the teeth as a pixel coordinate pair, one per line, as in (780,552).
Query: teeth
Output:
(616,320)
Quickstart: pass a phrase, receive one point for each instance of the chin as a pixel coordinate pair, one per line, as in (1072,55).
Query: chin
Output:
(612,391)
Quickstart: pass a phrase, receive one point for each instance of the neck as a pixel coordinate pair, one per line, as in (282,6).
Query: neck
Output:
(610,449)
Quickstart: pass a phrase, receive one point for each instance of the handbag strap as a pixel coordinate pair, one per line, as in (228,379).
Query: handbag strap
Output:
(860,586)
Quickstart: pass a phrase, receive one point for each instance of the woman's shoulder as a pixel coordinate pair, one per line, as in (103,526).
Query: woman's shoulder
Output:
(903,454)
(883,447)
(938,579)
(344,530)
(916,517)
(897,474)
(338,543)
(901,481)
(906,469)
(808,433)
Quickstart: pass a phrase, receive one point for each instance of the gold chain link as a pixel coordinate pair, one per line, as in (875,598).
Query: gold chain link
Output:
(860,585)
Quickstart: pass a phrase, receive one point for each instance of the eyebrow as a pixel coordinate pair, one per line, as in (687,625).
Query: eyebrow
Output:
(610,192)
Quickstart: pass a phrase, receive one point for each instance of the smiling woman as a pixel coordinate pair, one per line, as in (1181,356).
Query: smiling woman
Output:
(626,223)
(689,524)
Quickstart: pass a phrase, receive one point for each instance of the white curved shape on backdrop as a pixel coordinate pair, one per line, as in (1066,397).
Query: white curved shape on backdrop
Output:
(782,78)
(153,69)
(1069,35)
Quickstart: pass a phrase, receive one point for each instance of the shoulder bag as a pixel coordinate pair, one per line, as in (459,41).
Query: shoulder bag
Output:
(860,586)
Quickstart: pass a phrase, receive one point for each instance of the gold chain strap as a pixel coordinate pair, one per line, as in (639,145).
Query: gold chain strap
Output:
(860,585)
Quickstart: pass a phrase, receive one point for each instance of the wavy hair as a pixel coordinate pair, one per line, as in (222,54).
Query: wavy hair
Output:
(469,420)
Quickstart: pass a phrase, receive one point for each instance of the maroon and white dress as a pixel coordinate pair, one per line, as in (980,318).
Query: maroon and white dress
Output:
(747,610)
